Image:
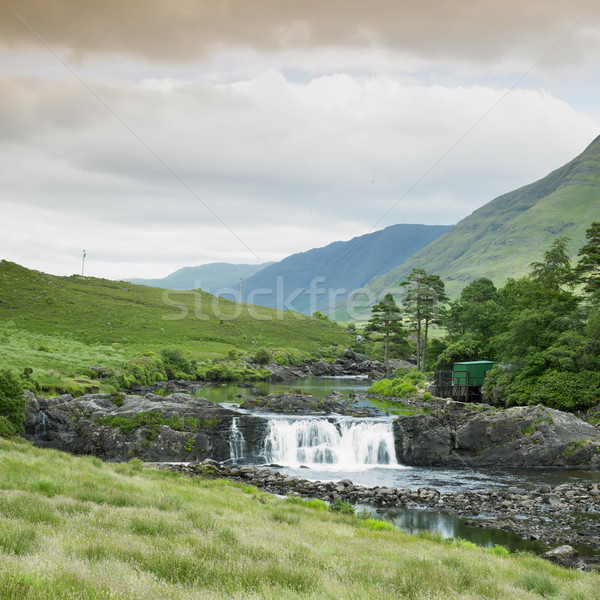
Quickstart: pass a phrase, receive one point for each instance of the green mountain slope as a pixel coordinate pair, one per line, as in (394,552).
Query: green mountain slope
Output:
(502,238)
(212,277)
(67,324)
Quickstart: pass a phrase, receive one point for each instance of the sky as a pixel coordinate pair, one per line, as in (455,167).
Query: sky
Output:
(158,134)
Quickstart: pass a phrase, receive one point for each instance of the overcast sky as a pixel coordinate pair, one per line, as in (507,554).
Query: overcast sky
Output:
(158,134)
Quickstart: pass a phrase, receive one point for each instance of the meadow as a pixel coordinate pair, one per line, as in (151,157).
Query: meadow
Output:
(60,326)
(77,528)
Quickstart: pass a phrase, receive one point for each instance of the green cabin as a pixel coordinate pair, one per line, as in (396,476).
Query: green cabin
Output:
(470,373)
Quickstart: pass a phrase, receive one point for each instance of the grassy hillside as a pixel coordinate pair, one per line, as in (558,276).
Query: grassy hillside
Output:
(502,238)
(60,326)
(338,268)
(211,278)
(82,529)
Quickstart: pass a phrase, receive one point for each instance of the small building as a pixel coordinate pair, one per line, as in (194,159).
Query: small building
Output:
(464,382)
(471,372)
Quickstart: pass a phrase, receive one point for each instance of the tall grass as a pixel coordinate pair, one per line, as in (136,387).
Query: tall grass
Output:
(104,531)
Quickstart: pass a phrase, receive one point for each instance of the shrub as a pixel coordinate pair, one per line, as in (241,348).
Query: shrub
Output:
(262,356)
(176,365)
(12,401)
(144,369)
(341,506)
(6,428)
(567,391)
(426,396)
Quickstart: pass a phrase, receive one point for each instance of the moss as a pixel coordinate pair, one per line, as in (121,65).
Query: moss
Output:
(573,447)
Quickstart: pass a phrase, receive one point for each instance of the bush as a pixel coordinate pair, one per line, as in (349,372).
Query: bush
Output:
(176,365)
(144,369)
(262,356)
(12,401)
(567,391)
(341,506)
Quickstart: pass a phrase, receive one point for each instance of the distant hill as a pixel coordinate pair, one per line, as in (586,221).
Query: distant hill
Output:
(211,277)
(502,238)
(340,267)
(61,326)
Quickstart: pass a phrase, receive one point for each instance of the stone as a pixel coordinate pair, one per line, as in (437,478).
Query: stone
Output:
(565,556)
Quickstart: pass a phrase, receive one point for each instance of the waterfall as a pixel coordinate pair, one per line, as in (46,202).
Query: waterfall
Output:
(344,442)
(237,443)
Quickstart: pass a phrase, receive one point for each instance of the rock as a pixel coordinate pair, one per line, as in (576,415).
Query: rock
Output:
(519,437)
(565,556)
(82,426)
(301,404)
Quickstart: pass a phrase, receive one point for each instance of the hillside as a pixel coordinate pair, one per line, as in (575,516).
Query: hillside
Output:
(60,326)
(339,266)
(502,238)
(212,277)
(75,527)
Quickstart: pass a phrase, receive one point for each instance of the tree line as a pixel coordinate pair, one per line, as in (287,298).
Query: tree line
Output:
(542,330)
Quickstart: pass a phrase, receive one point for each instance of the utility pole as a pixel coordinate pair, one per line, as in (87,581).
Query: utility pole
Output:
(83,263)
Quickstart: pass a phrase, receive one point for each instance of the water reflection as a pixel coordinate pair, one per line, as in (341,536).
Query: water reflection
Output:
(449,526)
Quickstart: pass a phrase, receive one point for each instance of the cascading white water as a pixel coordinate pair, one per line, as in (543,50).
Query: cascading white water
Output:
(344,442)
(237,443)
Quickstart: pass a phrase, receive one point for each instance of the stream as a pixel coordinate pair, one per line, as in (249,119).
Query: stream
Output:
(362,449)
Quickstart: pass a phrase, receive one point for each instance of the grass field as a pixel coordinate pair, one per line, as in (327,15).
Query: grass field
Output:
(77,528)
(60,326)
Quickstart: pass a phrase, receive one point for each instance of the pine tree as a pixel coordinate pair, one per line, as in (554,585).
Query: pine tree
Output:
(424,294)
(386,320)
(588,267)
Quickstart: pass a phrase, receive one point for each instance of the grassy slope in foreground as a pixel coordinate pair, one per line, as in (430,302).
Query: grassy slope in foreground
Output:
(502,238)
(101,531)
(87,321)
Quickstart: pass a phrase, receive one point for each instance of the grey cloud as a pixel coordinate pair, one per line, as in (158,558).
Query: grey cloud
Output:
(182,31)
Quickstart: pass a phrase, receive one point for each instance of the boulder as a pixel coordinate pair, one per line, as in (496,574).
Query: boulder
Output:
(175,428)
(519,437)
(566,556)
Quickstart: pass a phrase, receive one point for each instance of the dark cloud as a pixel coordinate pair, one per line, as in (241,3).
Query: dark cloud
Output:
(176,30)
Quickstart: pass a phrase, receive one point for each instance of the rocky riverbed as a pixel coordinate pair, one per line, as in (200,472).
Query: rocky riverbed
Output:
(568,514)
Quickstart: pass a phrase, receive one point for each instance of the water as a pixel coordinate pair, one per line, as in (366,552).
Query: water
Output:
(344,443)
(348,387)
(237,444)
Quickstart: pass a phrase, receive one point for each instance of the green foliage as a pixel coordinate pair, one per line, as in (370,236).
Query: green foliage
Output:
(151,423)
(12,402)
(262,356)
(466,348)
(424,295)
(588,267)
(555,270)
(386,322)
(402,387)
(6,427)
(117,398)
(175,364)
(426,396)
(341,506)
(143,369)
(567,391)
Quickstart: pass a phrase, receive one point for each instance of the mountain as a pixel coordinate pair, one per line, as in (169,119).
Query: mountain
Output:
(306,281)
(212,277)
(502,238)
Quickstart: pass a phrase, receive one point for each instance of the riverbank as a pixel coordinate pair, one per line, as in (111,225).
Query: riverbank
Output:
(566,514)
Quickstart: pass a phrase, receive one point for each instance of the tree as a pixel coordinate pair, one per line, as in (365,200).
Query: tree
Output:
(588,267)
(476,312)
(386,320)
(555,270)
(12,402)
(424,294)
